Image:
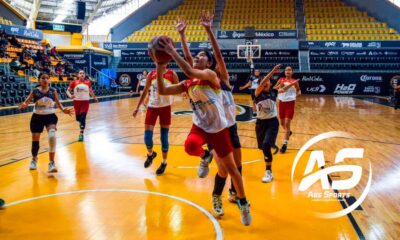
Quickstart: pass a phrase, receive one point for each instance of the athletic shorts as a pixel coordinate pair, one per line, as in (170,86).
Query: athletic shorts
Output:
(81,107)
(253,94)
(164,113)
(220,140)
(286,109)
(141,88)
(233,135)
(38,122)
(267,131)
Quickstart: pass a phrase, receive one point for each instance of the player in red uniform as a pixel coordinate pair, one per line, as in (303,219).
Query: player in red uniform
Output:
(82,88)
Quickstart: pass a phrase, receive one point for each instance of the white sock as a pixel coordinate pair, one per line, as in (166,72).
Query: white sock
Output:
(164,161)
(285,142)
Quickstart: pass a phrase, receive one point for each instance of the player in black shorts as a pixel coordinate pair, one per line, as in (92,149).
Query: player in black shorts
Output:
(267,124)
(395,82)
(44,115)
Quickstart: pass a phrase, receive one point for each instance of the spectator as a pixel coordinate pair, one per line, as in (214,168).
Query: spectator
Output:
(395,82)
(15,65)
(13,41)
(114,85)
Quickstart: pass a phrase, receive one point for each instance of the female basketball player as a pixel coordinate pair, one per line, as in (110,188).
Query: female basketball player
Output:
(140,87)
(82,88)
(159,106)
(44,115)
(209,121)
(287,99)
(267,124)
(230,111)
(395,82)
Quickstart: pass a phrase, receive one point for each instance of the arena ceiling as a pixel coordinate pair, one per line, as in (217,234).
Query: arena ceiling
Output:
(64,11)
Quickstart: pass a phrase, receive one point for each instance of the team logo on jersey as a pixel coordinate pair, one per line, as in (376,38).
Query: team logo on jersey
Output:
(125,80)
(244,113)
(316,171)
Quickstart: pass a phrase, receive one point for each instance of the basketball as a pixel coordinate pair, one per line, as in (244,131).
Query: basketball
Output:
(159,55)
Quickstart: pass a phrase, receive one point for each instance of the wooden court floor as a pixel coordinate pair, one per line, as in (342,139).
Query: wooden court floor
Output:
(102,190)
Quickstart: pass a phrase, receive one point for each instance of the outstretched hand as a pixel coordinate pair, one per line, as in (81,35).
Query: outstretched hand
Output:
(23,106)
(276,68)
(180,25)
(206,19)
(166,45)
(68,111)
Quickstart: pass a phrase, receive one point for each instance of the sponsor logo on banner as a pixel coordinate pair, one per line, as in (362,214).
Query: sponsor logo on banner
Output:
(125,80)
(287,34)
(318,89)
(374,45)
(352,45)
(223,34)
(390,53)
(73,56)
(80,61)
(372,89)
(312,79)
(238,34)
(265,34)
(333,53)
(366,78)
(102,63)
(315,181)
(345,89)
(329,44)
(361,53)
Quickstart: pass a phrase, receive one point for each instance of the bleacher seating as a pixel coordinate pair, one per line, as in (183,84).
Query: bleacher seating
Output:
(5,21)
(334,20)
(165,24)
(262,14)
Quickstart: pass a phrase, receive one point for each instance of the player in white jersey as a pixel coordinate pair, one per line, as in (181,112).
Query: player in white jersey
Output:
(287,100)
(209,120)
(45,98)
(267,124)
(159,107)
(140,87)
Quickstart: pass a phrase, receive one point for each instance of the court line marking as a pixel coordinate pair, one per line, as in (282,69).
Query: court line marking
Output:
(217,227)
(243,163)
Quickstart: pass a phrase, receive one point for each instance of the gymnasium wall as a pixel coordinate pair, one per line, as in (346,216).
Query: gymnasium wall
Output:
(142,17)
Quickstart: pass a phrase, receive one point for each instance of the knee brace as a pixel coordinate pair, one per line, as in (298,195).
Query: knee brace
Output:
(148,139)
(52,140)
(35,148)
(164,139)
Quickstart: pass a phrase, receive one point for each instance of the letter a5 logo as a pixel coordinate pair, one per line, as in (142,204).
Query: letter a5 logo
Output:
(317,157)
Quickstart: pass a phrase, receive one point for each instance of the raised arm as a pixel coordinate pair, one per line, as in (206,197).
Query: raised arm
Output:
(181,27)
(206,20)
(266,80)
(188,70)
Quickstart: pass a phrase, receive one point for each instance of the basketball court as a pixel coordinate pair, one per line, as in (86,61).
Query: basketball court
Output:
(102,190)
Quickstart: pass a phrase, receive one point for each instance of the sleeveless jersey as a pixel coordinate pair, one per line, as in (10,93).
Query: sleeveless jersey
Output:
(290,94)
(207,104)
(266,105)
(155,99)
(44,102)
(229,104)
(81,89)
